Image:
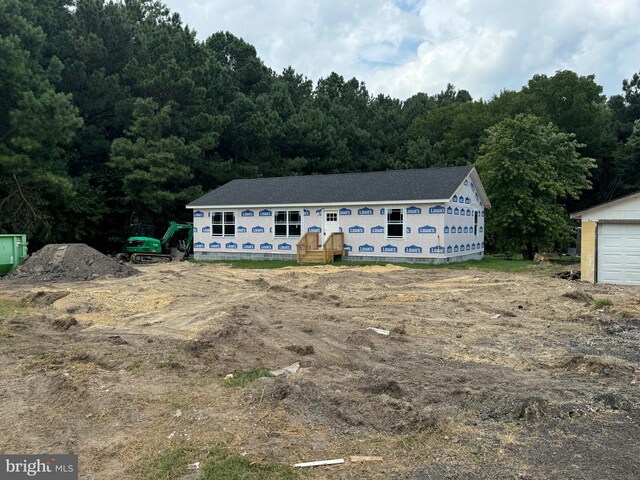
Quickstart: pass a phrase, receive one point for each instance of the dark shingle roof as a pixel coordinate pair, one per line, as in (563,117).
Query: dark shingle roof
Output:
(352,188)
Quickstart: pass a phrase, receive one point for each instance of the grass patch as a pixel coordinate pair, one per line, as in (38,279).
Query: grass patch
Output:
(222,465)
(603,303)
(219,464)
(135,366)
(242,379)
(176,405)
(169,464)
(489,262)
(10,307)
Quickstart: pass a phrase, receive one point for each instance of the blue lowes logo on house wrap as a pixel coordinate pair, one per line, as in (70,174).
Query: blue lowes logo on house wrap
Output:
(430,229)
(468,247)
(365,211)
(449,210)
(198,245)
(439,209)
(389,249)
(462,248)
(306,212)
(382,211)
(231,245)
(473,246)
(284,246)
(377,229)
(456,249)
(319,212)
(466,230)
(345,211)
(348,248)
(468,212)
(265,213)
(408,229)
(206,229)
(414,210)
(257,229)
(456,211)
(198,214)
(242,229)
(467,200)
(195,229)
(466,182)
(248,246)
(446,229)
(436,249)
(454,199)
(481,229)
(413,249)
(314,229)
(482,213)
(366,248)
(449,249)
(247,213)
(266,246)
(459,229)
(356,229)
(215,245)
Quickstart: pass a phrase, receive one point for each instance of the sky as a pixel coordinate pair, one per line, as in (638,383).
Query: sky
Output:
(402,47)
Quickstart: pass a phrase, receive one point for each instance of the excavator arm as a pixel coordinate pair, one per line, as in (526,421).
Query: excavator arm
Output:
(174,228)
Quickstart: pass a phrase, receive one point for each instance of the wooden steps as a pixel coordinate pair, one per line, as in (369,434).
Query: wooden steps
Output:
(308,251)
(312,256)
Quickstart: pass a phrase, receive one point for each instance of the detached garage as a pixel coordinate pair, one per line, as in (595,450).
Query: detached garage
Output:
(611,241)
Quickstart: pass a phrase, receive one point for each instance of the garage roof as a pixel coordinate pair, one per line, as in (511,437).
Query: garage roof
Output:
(426,184)
(610,203)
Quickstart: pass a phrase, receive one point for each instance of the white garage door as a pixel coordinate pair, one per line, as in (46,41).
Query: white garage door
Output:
(619,254)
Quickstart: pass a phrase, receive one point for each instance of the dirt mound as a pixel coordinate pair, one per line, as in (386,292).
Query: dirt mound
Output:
(68,262)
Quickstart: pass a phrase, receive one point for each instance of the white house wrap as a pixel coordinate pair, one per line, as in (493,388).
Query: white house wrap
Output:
(440,218)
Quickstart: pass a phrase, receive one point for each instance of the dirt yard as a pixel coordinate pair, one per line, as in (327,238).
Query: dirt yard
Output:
(484,375)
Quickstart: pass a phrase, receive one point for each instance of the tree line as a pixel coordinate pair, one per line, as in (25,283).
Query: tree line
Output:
(114,112)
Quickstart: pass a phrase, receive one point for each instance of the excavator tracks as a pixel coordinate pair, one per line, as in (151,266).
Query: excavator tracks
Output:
(150,258)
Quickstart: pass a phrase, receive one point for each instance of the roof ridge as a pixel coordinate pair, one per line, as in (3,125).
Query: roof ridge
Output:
(357,173)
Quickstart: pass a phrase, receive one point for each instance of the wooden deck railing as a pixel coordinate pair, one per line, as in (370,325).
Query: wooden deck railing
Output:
(309,241)
(333,246)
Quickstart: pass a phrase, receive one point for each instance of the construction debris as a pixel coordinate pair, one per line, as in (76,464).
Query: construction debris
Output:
(380,331)
(320,463)
(569,275)
(286,371)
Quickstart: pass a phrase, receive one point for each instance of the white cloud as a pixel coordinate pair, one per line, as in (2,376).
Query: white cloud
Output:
(403,47)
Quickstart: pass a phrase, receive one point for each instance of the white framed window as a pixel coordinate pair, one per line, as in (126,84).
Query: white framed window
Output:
(223,224)
(287,223)
(395,223)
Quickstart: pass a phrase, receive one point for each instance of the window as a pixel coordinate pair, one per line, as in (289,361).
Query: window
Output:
(475,224)
(332,217)
(223,224)
(288,223)
(395,223)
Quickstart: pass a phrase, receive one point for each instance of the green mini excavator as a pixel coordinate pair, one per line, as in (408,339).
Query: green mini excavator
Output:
(143,247)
